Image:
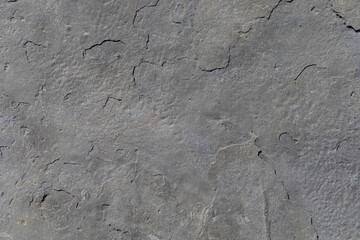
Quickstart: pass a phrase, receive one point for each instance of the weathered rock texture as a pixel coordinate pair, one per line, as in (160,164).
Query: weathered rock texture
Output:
(179,119)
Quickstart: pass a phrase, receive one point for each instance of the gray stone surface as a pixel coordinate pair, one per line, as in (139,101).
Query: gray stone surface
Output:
(179,120)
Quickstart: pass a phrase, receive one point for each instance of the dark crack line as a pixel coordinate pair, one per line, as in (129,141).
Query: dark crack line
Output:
(339,15)
(21,179)
(310,65)
(147,42)
(245,32)
(133,75)
(312,224)
(71,163)
(34,43)
(31,201)
(351,27)
(66,97)
(219,68)
(91,149)
(110,97)
(147,6)
(1,153)
(134,69)
(21,103)
(273,9)
(337,146)
(99,44)
(43,197)
(27,56)
(62,190)
(47,165)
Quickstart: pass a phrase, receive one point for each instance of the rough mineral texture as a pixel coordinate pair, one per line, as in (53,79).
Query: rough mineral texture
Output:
(179,119)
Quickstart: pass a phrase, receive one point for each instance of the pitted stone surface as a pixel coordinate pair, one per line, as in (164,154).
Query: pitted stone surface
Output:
(187,119)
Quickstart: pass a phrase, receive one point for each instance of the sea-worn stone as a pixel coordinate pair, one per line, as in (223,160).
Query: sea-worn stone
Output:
(186,119)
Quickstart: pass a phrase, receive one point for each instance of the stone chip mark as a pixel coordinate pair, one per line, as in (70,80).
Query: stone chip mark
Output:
(286,139)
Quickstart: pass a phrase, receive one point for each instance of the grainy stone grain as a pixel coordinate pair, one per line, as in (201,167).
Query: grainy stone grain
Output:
(179,120)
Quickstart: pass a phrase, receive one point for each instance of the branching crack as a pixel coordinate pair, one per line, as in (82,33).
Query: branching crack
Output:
(147,6)
(21,103)
(110,97)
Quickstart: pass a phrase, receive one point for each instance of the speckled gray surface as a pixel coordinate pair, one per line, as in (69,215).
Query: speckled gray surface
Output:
(179,120)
